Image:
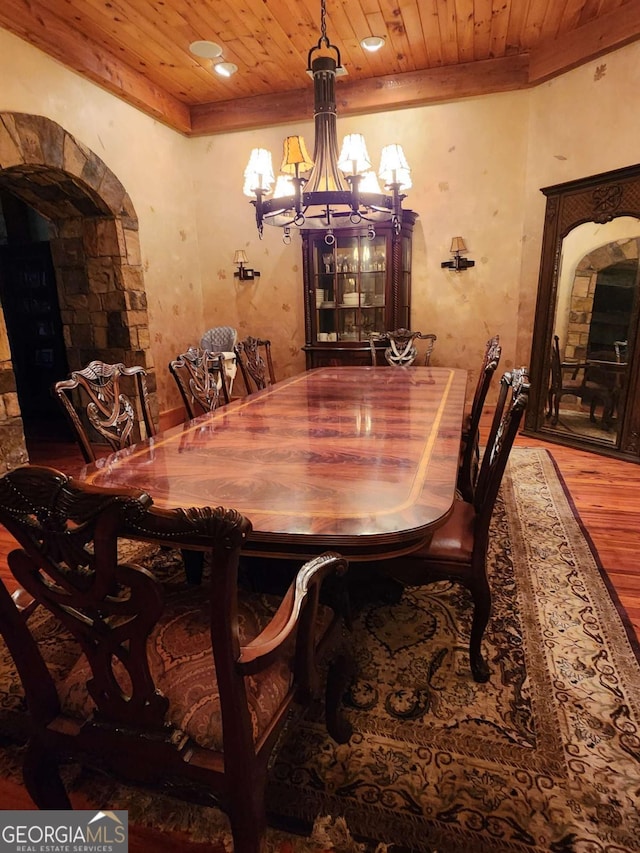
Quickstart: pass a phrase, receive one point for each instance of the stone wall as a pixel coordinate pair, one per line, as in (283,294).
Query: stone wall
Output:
(95,250)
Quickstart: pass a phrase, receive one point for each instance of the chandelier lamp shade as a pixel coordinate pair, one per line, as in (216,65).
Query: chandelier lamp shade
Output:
(335,187)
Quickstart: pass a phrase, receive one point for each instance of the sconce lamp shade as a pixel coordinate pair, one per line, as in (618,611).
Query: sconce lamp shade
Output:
(259,172)
(394,168)
(242,273)
(295,157)
(459,263)
(354,157)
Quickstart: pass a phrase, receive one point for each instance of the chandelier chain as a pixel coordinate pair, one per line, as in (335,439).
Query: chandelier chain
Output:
(323,21)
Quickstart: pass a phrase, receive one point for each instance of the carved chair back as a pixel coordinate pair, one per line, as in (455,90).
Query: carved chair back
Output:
(256,365)
(469,465)
(201,379)
(621,351)
(99,409)
(223,339)
(402,351)
(512,401)
(219,339)
(565,378)
(162,689)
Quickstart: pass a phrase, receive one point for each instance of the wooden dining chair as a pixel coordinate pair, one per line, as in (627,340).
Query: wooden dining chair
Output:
(187,692)
(470,443)
(201,379)
(402,351)
(256,365)
(106,404)
(458,550)
(219,339)
(223,339)
(428,351)
(565,378)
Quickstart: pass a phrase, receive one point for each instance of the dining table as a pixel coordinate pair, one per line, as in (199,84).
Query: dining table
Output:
(361,460)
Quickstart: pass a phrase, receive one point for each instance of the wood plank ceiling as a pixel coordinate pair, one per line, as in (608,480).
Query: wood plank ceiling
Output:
(434,50)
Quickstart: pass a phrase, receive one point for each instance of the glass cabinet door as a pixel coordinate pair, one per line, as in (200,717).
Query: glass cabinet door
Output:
(404,294)
(356,281)
(350,282)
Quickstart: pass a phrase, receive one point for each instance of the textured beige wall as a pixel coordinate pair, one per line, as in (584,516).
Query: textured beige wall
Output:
(467,160)
(478,165)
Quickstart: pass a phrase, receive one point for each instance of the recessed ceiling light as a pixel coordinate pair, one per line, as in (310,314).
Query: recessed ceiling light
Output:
(372,43)
(205,49)
(225,69)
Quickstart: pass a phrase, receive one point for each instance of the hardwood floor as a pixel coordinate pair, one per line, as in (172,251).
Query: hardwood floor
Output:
(606,495)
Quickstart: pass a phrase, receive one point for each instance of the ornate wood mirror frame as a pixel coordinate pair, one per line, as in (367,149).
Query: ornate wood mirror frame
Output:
(598,199)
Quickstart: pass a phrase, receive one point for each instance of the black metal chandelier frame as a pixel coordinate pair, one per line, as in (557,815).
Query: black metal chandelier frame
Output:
(316,208)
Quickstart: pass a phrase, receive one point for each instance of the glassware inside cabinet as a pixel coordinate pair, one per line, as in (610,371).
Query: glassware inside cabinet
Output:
(324,265)
(326,323)
(328,263)
(353,289)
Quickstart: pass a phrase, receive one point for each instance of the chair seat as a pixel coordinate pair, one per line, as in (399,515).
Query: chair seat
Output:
(453,542)
(183,670)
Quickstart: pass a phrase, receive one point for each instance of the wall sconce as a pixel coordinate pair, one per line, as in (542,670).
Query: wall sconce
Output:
(243,273)
(458,263)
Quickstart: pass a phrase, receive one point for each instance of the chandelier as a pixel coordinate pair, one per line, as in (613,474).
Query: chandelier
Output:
(332,189)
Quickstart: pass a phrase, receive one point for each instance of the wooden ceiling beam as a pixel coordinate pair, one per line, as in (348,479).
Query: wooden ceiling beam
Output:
(58,36)
(366,96)
(608,32)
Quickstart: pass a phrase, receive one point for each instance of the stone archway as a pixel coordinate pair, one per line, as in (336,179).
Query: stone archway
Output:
(95,250)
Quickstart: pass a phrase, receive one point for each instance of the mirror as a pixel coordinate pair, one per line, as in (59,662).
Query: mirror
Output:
(584,383)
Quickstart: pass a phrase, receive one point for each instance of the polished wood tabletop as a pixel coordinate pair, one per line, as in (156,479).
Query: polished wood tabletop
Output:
(360,459)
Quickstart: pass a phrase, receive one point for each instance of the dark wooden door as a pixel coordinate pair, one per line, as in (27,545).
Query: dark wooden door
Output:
(34,327)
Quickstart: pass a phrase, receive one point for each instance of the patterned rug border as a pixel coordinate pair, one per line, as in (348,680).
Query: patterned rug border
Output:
(612,617)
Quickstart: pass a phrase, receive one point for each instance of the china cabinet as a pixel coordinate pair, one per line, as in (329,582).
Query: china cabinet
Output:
(355,282)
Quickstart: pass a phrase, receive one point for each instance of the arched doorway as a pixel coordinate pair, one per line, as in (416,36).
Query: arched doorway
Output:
(594,316)
(93,233)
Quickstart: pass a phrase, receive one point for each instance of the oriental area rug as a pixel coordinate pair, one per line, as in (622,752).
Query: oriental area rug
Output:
(543,757)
